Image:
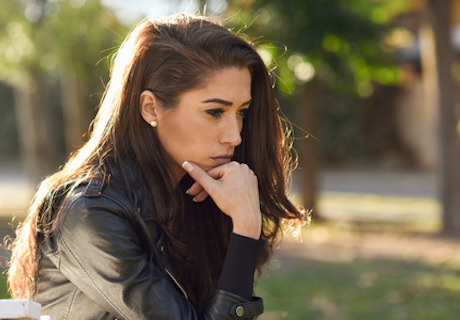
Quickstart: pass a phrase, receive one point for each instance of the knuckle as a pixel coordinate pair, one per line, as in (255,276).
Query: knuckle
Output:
(234,164)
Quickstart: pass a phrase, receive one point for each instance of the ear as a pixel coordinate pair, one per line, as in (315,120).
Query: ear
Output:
(149,106)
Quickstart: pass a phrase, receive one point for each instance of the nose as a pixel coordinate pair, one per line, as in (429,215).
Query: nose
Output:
(231,133)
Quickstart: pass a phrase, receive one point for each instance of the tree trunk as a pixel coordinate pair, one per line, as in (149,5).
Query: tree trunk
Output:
(74,112)
(438,14)
(38,153)
(309,148)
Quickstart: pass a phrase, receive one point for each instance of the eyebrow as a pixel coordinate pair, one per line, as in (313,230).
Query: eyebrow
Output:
(225,102)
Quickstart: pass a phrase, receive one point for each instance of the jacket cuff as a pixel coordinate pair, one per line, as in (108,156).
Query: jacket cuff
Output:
(232,306)
(240,263)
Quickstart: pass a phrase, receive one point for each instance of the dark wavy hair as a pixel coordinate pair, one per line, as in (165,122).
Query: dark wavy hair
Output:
(171,57)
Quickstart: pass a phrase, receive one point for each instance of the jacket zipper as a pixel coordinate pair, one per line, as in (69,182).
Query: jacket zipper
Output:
(176,282)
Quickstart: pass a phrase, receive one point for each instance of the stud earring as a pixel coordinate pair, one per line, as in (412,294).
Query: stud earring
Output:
(153,123)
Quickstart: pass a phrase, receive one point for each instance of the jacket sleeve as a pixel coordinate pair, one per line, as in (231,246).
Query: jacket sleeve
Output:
(101,253)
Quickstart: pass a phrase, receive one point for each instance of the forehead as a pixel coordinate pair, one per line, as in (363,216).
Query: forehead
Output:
(232,84)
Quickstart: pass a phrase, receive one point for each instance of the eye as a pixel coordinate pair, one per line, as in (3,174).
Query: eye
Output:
(244,112)
(215,113)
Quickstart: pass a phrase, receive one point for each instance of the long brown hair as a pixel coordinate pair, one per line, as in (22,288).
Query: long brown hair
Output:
(171,57)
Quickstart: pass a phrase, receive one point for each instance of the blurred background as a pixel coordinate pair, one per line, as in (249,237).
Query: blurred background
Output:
(372,89)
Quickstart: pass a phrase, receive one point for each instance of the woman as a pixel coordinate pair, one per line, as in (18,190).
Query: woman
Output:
(177,197)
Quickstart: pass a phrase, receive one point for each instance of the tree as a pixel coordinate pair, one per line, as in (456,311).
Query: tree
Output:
(53,39)
(438,19)
(83,37)
(331,43)
(21,68)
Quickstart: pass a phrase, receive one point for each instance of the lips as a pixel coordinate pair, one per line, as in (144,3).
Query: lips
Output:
(221,159)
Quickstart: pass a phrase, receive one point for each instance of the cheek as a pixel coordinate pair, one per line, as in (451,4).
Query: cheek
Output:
(185,140)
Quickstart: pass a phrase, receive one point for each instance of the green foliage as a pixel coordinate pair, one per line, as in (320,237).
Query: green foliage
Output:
(344,46)
(90,37)
(59,49)
(342,40)
(55,36)
(341,128)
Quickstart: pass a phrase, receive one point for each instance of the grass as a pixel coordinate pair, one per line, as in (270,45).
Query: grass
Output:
(362,289)
(3,292)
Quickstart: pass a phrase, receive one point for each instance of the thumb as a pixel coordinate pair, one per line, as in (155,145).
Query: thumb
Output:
(200,176)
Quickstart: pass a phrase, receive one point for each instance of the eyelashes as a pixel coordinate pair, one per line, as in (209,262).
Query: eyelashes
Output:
(244,112)
(216,113)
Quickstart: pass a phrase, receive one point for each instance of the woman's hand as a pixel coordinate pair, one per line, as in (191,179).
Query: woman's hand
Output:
(233,187)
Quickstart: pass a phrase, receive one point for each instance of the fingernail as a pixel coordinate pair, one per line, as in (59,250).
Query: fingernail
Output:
(187,166)
(187,192)
(194,199)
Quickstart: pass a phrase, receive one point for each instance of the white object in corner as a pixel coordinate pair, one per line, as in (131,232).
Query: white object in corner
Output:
(19,309)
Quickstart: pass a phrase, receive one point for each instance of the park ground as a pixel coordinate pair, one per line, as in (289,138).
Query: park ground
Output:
(375,254)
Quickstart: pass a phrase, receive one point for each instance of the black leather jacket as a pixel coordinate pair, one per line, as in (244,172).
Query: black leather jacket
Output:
(102,263)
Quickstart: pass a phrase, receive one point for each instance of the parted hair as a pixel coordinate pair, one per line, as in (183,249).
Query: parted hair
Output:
(170,57)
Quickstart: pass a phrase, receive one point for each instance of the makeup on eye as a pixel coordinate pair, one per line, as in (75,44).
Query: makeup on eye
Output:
(215,113)
(244,112)
(218,111)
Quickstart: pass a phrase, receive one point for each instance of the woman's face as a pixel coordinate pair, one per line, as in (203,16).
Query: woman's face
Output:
(205,126)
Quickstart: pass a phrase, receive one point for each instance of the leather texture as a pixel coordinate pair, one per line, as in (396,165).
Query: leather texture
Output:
(103,262)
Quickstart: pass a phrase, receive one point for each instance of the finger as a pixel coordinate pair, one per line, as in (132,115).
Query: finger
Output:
(218,172)
(200,176)
(200,196)
(194,189)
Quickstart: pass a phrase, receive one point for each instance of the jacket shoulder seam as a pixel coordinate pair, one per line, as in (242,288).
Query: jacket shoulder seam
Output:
(114,206)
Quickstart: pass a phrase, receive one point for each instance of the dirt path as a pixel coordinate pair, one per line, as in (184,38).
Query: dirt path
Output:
(326,243)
